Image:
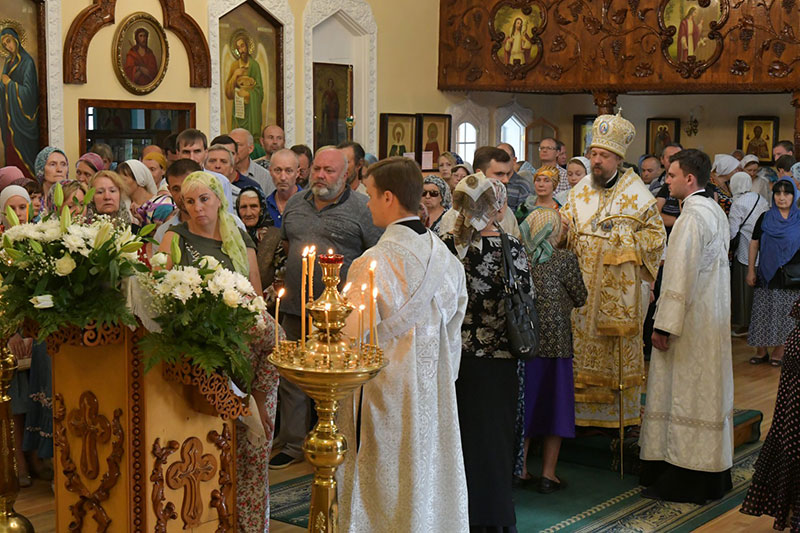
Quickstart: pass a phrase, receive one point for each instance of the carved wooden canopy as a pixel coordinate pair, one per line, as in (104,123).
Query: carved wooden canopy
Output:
(101,13)
(562,46)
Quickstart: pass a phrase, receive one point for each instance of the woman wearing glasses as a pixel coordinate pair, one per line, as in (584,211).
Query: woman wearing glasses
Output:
(436,199)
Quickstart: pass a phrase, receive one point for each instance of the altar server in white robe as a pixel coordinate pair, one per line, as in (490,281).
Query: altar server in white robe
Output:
(687,429)
(407,472)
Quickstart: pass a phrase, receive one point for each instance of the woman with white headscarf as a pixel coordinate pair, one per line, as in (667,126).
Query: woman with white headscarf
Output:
(488,385)
(138,182)
(747,206)
(18,199)
(725,166)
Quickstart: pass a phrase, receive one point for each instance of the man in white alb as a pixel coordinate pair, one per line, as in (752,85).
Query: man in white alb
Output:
(406,471)
(687,428)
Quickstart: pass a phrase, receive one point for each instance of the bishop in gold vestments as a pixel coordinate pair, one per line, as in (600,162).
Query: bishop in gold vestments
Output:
(618,235)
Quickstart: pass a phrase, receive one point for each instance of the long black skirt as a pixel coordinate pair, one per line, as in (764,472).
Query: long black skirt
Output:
(486,390)
(775,489)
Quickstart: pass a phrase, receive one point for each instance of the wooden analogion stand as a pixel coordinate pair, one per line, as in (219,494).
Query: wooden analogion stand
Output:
(133,451)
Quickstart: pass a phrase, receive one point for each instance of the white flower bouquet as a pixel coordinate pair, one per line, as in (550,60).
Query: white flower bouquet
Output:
(207,314)
(64,271)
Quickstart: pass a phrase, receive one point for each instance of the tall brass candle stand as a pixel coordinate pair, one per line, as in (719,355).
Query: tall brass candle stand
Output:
(328,369)
(10,521)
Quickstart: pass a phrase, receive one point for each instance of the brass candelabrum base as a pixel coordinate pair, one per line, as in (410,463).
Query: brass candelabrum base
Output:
(327,381)
(328,368)
(10,521)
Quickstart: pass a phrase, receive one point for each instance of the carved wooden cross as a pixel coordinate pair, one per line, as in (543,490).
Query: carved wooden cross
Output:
(188,473)
(92,428)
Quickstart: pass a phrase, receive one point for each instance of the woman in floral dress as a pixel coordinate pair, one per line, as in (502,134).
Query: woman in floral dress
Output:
(212,231)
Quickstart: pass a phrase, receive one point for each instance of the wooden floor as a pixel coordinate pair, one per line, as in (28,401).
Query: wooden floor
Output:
(755,388)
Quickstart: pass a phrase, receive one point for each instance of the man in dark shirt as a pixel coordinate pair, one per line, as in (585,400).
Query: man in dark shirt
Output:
(329,215)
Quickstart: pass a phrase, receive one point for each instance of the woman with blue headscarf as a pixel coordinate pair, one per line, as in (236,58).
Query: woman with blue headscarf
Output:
(19,104)
(776,242)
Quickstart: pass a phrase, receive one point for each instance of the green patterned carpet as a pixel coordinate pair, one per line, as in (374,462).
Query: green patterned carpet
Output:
(596,501)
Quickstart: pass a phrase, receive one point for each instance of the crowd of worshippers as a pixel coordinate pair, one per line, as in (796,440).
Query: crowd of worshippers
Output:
(442,437)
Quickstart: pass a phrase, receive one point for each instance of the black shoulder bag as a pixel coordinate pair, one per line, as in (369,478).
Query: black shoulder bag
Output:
(522,321)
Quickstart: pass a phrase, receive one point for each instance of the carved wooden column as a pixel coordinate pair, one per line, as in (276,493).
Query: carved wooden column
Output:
(605,102)
(796,104)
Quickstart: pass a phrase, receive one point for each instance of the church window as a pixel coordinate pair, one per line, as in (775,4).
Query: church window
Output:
(466,141)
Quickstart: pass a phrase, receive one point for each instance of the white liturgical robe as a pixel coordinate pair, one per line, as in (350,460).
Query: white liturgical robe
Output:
(688,418)
(408,472)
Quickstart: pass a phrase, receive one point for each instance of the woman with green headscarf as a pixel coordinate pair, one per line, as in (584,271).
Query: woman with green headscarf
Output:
(211,230)
(549,385)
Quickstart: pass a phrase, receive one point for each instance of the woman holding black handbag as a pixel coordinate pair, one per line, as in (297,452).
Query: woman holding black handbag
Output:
(487,388)
(776,242)
(746,208)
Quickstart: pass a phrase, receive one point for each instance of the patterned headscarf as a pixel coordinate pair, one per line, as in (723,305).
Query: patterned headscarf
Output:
(232,243)
(537,230)
(796,172)
(263,215)
(41,161)
(94,161)
(476,202)
(500,194)
(444,190)
(552,174)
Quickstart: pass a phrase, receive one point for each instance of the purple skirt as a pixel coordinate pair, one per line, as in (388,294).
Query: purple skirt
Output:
(549,397)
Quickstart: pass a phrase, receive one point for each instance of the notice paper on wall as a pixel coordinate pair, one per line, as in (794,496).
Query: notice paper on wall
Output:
(427,159)
(410,155)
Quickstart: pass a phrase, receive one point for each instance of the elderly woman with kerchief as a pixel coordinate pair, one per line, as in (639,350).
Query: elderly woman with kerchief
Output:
(545,182)
(747,206)
(725,166)
(487,388)
(436,199)
(51,167)
(549,385)
(212,231)
(87,166)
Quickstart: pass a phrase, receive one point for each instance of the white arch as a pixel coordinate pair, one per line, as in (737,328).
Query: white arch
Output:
(281,11)
(55,78)
(468,111)
(358,15)
(512,109)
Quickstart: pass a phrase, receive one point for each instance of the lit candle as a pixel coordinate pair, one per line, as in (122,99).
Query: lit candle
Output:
(360,326)
(312,255)
(327,322)
(277,310)
(346,288)
(373,332)
(303,299)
